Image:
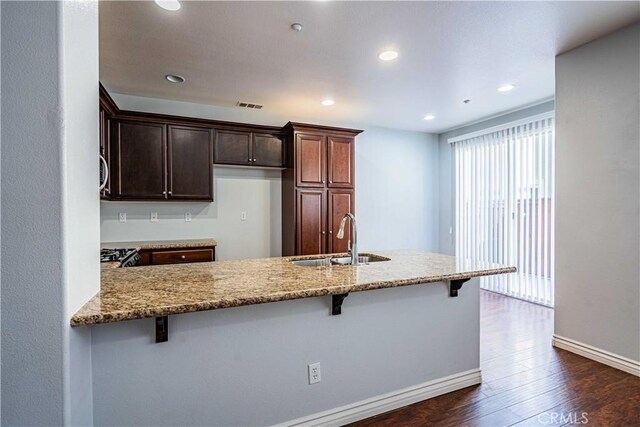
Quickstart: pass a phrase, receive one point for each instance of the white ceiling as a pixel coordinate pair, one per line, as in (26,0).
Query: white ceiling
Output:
(449,51)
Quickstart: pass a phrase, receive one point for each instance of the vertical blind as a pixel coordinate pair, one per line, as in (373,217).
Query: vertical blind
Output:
(505,205)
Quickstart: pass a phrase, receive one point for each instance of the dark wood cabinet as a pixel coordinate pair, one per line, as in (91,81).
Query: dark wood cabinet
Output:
(155,161)
(317,188)
(233,148)
(267,150)
(310,160)
(340,161)
(249,149)
(140,163)
(189,160)
(181,255)
(163,157)
(311,215)
(340,202)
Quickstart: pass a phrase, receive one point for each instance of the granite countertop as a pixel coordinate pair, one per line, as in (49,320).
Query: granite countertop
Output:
(160,244)
(150,291)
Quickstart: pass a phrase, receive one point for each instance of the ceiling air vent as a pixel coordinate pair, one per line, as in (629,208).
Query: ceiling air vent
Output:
(249,105)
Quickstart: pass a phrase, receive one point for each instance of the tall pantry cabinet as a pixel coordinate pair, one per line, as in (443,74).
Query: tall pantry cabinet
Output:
(318,188)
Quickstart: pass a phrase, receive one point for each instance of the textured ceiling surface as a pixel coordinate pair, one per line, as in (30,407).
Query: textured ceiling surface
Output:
(448,52)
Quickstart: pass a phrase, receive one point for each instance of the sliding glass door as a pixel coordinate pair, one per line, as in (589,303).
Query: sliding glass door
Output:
(505,205)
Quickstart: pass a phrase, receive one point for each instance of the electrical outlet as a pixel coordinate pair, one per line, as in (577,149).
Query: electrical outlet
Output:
(243,216)
(187,216)
(122,217)
(315,375)
(154,216)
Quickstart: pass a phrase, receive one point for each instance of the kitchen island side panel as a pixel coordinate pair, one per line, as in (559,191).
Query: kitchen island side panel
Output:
(248,365)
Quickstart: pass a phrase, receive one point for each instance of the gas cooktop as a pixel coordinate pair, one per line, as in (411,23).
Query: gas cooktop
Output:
(126,257)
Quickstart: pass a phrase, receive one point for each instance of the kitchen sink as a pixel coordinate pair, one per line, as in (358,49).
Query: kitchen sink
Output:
(362,259)
(341,260)
(316,262)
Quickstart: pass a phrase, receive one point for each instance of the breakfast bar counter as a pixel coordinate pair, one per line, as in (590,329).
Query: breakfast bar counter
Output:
(154,291)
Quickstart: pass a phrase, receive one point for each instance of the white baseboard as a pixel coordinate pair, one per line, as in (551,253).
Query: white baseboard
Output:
(389,401)
(597,354)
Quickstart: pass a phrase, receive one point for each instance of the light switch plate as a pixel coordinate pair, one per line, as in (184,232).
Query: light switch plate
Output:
(122,217)
(187,216)
(154,216)
(243,216)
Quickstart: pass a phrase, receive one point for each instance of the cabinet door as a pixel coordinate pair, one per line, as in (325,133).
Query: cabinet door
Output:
(310,152)
(311,221)
(233,148)
(341,161)
(140,162)
(268,150)
(190,163)
(340,202)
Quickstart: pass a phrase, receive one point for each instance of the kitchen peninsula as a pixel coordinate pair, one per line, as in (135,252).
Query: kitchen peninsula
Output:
(238,366)
(137,293)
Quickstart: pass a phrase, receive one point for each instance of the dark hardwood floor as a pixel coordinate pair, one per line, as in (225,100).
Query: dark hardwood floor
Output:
(527,382)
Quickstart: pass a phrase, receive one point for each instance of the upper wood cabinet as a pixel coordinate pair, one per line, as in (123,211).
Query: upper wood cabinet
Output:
(140,161)
(310,160)
(189,162)
(233,148)
(340,163)
(154,161)
(162,157)
(324,160)
(267,150)
(249,149)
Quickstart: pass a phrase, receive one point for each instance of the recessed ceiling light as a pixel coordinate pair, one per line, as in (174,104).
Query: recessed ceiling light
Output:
(466,101)
(388,55)
(328,102)
(506,87)
(171,5)
(296,27)
(429,117)
(174,78)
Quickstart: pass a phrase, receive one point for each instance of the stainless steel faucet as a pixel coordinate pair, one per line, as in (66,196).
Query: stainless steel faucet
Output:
(352,245)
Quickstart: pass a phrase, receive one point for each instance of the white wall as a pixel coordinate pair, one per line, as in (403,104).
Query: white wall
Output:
(396,192)
(80,201)
(447,218)
(50,215)
(256,192)
(597,193)
(247,366)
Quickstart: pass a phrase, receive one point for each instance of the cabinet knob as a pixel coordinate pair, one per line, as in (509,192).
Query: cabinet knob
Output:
(330,182)
(323,181)
(254,160)
(183,257)
(330,231)
(250,160)
(323,233)
(164,192)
